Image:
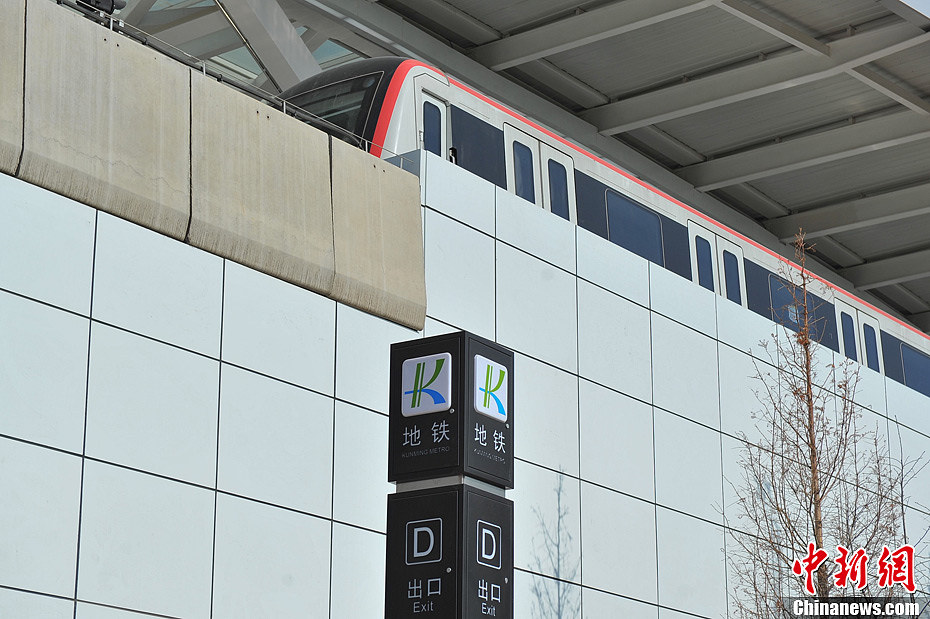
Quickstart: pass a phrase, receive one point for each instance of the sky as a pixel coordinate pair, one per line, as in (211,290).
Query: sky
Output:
(921,5)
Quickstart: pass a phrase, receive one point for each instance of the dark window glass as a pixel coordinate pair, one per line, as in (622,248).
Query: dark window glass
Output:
(634,227)
(784,310)
(705,263)
(558,189)
(590,205)
(871,347)
(432,128)
(916,369)
(345,104)
(523,172)
(731,277)
(479,146)
(849,336)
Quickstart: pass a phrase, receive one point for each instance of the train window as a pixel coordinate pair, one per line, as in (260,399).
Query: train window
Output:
(916,369)
(705,263)
(849,336)
(871,347)
(634,227)
(731,277)
(558,189)
(432,128)
(345,104)
(523,172)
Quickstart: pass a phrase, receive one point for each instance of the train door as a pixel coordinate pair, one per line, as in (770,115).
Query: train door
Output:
(521,154)
(558,182)
(846,319)
(432,116)
(703,257)
(732,277)
(870,336)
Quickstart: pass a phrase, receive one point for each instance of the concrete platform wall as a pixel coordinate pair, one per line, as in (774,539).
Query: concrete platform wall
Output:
(94,116)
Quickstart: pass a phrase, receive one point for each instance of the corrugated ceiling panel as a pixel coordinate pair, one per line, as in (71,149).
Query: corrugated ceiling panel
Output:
(910,66)
(665,51)
(842,179)
(822,17)
(888,239)
(512,16)
(779,114)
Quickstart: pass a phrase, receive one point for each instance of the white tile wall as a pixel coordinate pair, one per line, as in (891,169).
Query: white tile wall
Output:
(535,298)
(612,267)
(363,352)
(154,285)
(21,604)
(459,194)
(146,542)
(539,596)
(152,406)
(684,371)
(46,245)
(301,437)
(616,432)
(43,373)
(535,231)
(358,568)
(270,562)
(692,572)
(612,521)
(600,605)
(275,442)
(360,485)
(459,292)
(738,402)
(538,501)
(278,329)
(41,491)
(687,466)
(613,341)
(546,406)
(679,299)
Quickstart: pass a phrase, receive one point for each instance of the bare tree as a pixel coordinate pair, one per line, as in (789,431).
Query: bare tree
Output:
(555,599)
(815,473)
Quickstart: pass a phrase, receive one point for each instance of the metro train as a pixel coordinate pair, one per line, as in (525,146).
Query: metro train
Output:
(396,106)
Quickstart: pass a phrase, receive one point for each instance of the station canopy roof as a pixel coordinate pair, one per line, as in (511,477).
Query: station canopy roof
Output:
(769,115)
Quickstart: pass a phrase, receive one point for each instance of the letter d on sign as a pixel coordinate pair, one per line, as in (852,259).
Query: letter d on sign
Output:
(424,541)
(418,535)
(489,543)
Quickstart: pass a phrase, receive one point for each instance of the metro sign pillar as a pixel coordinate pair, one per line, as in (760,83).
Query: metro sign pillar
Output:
(450,528)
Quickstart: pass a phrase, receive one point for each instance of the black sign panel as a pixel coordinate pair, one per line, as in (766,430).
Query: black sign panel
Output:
(488,588)
(423,554)
(449,554)
(451,409)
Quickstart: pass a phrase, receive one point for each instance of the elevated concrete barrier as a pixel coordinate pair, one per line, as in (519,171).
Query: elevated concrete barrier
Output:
(12,50)
(260,187)
(120,127)
(107,120)
(378,230)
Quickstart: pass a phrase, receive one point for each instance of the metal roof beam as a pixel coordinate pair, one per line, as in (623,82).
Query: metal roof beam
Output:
(136,12)
(854,214)
(564,83)
(269,33)
(810,150)
(754,80)
(454,19)
(904,268)
(208,24)
(775,27)
(582,29)
(892,89)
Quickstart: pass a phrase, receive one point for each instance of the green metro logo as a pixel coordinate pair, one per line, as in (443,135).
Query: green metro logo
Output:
(491,395)
(416,394)
(430,376)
